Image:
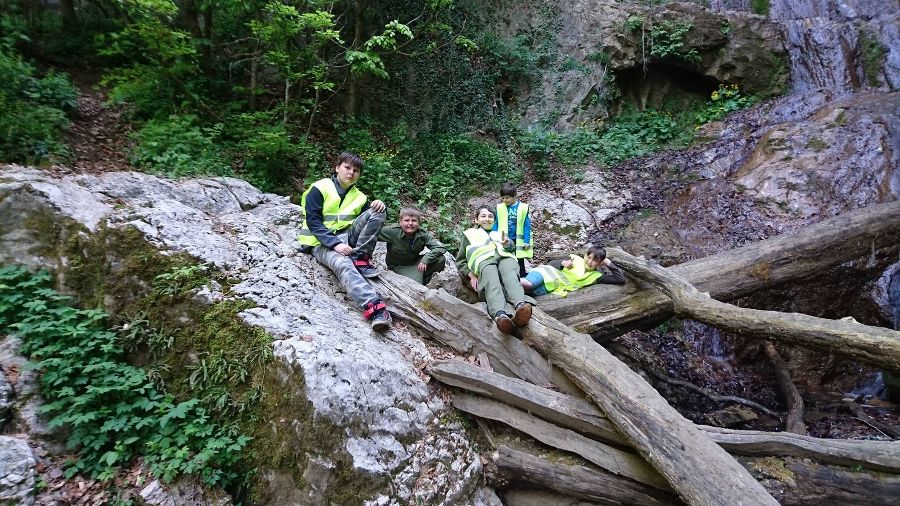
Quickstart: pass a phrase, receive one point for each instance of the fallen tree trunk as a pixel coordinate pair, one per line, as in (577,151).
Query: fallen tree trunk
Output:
(514,466)
(606,457)
(699,470)
(792,399)
(612,310)
(874,345)
(584,417)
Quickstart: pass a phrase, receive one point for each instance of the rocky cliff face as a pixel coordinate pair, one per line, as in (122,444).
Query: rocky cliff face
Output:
(346,415)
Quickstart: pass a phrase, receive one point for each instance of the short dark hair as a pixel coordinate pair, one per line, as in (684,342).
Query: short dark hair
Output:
(411,211)
(507,189)
(598,252)
(486,208)
(352,158)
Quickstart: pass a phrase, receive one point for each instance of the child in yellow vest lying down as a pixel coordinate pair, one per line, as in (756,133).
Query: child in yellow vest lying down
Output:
(564,276)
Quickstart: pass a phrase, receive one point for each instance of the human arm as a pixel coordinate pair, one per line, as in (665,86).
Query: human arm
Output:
(560,263)
(526,231)
(435,248)
(462,264)
(313,210)
(612,274)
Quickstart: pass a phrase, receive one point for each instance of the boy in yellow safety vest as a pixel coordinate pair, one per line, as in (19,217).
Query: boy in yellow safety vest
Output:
(340,229)
(563,276)
(493,273)
(512,220)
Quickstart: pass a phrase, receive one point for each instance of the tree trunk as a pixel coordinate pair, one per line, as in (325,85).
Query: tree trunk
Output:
(67,9)
(873,345)
(359,9)
(792,398)
(609,310)
(585,418)
(699,470)
(514,466)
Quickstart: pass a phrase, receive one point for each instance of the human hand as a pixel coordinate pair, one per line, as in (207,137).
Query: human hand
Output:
(526,247)
(606,262)
(343,249)
(567,264)
(378,206)
(506,242)
(421,267)
(473,281)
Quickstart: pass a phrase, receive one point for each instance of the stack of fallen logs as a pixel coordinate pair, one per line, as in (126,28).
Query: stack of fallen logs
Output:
(640,449)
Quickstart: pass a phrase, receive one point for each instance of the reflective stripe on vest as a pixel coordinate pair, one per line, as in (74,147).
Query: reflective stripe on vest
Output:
(336,215)
(563,281)
(521,215)
(481,248)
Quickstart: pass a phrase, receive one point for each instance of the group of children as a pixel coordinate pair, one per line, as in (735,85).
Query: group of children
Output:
(341,227)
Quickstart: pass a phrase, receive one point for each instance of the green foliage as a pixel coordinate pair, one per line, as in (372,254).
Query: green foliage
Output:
(873,53)
(111,409)
(32,111)
(667,41)
(177,147)
(633,23)
(726,99)
(760,7)
(159,73)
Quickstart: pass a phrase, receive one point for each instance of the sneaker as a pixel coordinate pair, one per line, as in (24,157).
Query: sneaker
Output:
(504,323)
(365,267)
(523,314)
(378,316)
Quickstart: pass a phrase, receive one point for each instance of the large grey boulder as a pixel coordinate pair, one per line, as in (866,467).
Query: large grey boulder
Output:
(368,385)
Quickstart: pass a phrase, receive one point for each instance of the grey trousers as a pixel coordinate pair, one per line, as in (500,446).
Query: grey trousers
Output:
(362,236)
(412,271)
(499,282)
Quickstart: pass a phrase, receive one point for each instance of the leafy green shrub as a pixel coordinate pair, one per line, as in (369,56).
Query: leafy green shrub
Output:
(726,99)
(111,409)
(32,111)
(667,40)
(178,147)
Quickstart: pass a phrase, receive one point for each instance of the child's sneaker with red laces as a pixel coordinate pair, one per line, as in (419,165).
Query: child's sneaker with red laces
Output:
(378,316)
(364,265)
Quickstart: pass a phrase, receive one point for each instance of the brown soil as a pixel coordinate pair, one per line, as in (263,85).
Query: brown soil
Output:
(98,137)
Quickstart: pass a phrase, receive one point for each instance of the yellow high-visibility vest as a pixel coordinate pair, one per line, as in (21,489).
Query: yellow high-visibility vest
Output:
(336,215)
(503,224)
(481,248)
(563,281)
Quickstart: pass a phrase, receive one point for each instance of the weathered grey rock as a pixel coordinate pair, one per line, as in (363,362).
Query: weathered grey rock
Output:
(17,472)
(24,414)
(367,384)
(6,399)
(183,492)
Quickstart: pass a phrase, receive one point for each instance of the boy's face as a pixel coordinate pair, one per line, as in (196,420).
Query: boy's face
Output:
(485,219)
(347,174)
(409,224)
(508,200)
(592,263)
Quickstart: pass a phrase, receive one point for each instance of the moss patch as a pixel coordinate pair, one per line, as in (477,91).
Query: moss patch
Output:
(760,7)
(873,54)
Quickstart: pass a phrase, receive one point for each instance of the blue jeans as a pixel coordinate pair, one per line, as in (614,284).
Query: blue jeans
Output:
(537,283)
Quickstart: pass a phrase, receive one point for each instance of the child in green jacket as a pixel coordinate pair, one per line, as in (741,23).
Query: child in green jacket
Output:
(405,243)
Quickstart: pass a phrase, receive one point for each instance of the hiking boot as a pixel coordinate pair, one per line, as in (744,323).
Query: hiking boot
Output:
(365,267)
(378,316)
(523,314)
(504,323)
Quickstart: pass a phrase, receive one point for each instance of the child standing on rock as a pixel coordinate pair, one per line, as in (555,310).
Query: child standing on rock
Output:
(512,221)
(493,272)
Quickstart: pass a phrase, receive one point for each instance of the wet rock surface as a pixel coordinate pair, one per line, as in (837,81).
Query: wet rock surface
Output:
(367,384)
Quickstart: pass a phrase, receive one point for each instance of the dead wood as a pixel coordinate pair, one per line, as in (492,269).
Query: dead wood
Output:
(861,415)
(694,465)
(603,310)
(874,345)
(584,417)
(796,482)
(611,459)
(518,467)
(792,399)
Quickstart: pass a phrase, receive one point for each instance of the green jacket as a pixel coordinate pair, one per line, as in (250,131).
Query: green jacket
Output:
(401,252)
